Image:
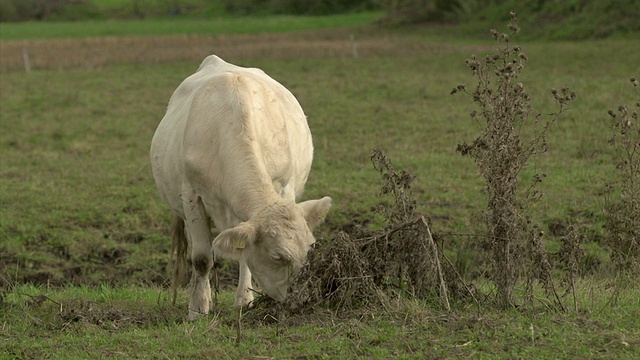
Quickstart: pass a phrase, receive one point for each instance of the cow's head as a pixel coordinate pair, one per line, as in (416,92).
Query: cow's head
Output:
(274,243)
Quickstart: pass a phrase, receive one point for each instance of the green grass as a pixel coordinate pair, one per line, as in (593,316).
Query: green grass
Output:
(76,182)
(160,26)
(78,207)
(141,323)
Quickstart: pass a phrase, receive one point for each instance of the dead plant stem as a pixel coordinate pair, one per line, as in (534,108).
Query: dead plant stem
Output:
(444,298)
(461,280)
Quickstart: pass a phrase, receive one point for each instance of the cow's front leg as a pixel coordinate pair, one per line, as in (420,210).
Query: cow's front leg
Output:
(199,232)
(244,294)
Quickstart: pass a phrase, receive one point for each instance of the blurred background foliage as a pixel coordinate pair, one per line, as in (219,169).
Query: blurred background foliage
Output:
(567,19)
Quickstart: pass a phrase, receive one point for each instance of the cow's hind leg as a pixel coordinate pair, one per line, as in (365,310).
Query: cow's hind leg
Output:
(179,250)
(199,233)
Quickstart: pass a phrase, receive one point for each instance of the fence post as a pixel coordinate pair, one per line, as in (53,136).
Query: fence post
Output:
(26,60)
(354,46)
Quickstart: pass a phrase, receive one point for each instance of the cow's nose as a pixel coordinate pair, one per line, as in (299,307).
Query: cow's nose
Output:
(279,295)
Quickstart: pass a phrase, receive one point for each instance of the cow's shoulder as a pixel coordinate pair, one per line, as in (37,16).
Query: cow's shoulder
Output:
(213,65)
(227,81)
(212,61)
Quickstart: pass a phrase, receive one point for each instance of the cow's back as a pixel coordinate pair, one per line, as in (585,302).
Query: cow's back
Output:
(234,136)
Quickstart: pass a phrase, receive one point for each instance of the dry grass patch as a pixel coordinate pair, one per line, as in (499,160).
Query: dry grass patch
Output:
(100,52)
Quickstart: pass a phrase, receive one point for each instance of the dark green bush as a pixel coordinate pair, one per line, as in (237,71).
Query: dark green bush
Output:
(571,19)
(63,10)
(297,7)
(18,10)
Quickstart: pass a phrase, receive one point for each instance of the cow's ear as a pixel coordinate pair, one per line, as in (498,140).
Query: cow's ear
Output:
(232,242)
(315,210)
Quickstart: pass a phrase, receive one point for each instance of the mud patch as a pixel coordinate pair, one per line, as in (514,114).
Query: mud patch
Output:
(111,316)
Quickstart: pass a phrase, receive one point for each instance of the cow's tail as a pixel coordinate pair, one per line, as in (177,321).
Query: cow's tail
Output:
(178,254)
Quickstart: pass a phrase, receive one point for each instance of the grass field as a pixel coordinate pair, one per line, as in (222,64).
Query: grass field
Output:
(164,26)
(140,322)
(78,206)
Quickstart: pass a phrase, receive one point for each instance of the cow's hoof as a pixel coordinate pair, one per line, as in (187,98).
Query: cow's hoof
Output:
(244,301)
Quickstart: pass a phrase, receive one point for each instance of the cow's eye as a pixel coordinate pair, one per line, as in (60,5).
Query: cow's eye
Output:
(279,259)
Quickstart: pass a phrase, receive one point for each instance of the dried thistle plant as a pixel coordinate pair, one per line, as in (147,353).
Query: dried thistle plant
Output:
(623,215)
(405,245)
(570,255)
(398,186)
(538,267)
(502,151)
(364,267)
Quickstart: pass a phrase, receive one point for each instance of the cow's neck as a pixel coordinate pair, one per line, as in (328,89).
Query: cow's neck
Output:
(252,201)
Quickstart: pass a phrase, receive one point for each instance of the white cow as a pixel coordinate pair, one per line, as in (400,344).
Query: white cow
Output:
(234,148)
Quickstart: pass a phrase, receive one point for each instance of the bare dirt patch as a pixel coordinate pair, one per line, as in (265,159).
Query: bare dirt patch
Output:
(100,52)
(112,316)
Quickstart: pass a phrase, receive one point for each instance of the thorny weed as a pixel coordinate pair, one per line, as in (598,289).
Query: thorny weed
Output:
(501,152)
(570,255)
(408,245)
(538,268)
(398,186)
(365,267)
(623,216)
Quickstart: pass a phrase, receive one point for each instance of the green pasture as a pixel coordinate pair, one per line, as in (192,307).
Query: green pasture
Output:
(141,323)
(81,219)
(173,26)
